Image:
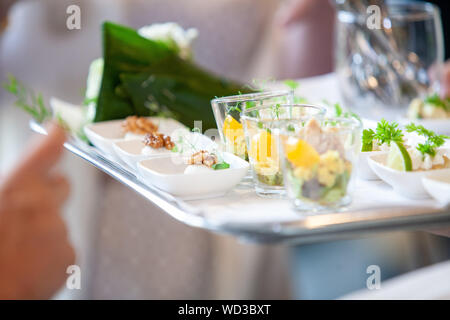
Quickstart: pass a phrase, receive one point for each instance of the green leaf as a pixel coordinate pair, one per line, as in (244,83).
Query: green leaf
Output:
(139,72)
(433,141)
(337,109)
(221,166)
(388,132)
(292,84)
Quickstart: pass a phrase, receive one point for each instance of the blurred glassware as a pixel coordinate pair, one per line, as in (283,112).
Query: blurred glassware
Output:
(381,70)
(261,127)
(318,156)
(227,112)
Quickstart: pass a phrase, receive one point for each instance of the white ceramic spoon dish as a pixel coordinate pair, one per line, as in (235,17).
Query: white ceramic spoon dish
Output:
(363,169)
(131,151)
(438,186)
(104,134)
(407,184)
(167,174)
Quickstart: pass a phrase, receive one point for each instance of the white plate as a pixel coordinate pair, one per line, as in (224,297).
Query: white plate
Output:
(440,126)
(130,151)
(104,134)
(408,184)
(363,169)
(167,174)
(438,186)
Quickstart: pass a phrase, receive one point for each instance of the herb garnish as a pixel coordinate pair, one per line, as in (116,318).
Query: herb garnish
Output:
(27,100)
(438,102)
(291,84)
(221,165)
(384,133)
(433,141)
(388,132)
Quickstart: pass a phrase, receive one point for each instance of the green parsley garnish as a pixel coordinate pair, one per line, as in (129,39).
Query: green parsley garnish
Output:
(337,109)
(388,132)
(291,128)
(384,133)
(291,84)
(221,166)
(433,141)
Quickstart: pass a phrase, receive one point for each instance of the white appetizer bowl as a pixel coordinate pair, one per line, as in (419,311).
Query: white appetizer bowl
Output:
(103,134)
(363,170)
(407,184)
(438,186)
(167,174)
(130,151)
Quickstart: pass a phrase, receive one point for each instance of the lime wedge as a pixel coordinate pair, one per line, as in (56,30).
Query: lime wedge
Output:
(398,158)
(366,147)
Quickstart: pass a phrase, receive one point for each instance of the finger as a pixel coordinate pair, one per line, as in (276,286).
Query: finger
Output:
(445,83)
(60,188)
(294,11)
(44,152)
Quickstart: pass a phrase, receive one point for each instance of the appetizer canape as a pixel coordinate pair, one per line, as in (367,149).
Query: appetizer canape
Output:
(136,127)
(418,153)
(204,161)
(203,174)
(432,107)
(421,150)
(157,142)
(318,163)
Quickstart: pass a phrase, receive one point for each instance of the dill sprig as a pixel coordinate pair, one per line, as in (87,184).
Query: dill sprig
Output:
(27,100)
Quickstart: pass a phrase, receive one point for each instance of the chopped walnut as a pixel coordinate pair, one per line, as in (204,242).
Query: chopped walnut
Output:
(158,140)
(168,143)
(203,158)
(138,125)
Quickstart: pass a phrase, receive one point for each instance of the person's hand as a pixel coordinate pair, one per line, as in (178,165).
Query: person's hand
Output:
(295,11)
(304,32)
(445,81)
(34,247)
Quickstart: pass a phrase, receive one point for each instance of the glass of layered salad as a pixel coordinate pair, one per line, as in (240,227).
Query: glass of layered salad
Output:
(262,128)
(318,156)
(227,112)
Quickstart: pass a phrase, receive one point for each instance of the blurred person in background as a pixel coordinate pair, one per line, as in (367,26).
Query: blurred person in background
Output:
(128,248)
(330,269)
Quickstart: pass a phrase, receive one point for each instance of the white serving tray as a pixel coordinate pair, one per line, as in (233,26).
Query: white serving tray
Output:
(376,208)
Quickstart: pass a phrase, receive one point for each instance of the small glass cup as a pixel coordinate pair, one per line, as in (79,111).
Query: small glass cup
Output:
(262,126)
(318,156)
(227,112)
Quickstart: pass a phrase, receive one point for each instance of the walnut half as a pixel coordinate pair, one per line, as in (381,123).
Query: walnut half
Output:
(203,158)
(138,125)
(158,140)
